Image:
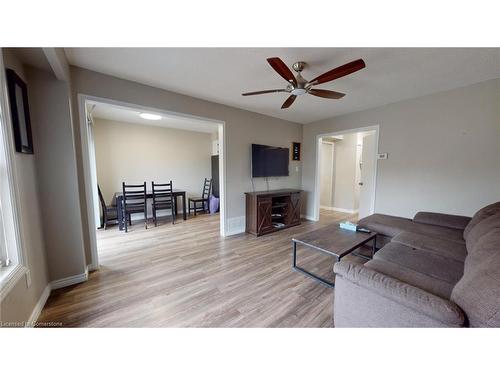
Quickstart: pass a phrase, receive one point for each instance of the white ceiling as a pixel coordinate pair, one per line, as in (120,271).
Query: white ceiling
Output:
(222,74)
(131,116)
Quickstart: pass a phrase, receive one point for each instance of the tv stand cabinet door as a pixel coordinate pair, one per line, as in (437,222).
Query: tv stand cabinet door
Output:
(294,209)
(264,217)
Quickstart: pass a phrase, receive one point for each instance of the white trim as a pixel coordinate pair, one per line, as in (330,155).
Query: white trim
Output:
(39,307)
(58,62)
(84,137)
(10,279)
(71,280)
(307,217)
(82,99)
(346,210)
(316,198)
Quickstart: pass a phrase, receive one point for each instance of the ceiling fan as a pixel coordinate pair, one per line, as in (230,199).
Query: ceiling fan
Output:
(297,85)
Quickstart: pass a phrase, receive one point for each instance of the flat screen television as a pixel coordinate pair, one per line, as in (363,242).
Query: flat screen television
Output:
(268,161)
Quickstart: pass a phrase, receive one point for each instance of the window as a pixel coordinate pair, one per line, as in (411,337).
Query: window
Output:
(11,256)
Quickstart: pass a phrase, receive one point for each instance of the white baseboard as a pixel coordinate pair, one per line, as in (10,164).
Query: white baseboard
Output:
(56,284)
(39,306)
(67,281)
(307,217)
(235,225)
(338,209)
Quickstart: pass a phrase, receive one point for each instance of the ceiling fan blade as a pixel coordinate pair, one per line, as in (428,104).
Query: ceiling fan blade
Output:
(281,68)
(289,101)
(263,92)
(338,72)
(326,94)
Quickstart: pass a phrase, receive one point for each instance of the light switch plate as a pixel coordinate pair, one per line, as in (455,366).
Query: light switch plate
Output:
(382,156)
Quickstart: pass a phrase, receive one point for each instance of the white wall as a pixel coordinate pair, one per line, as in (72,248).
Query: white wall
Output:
(136,153)
(444,151)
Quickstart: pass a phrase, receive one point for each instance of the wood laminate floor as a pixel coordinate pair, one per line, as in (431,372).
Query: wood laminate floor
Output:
(186,275)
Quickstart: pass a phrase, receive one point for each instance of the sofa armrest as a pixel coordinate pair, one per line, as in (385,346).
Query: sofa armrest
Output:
(442,220)
(412,297)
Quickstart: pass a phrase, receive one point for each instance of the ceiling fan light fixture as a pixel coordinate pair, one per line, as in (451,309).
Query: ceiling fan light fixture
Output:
(298,91)
(150,116)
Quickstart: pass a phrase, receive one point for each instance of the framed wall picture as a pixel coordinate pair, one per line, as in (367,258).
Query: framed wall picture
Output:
(296,151)
(19,110)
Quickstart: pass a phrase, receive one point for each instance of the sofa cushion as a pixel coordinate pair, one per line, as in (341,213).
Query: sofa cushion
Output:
(480,215)
(422,261)
(486,225)
(393,225)
(442,220)
(446,248)
(407,275)
(478,291)
(367,298)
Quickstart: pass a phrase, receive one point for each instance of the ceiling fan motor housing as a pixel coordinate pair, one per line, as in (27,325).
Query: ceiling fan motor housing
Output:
(299,66)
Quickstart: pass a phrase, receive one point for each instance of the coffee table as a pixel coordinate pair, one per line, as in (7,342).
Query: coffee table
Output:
(334,241)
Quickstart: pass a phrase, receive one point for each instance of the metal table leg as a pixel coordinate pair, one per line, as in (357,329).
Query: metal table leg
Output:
(307,273)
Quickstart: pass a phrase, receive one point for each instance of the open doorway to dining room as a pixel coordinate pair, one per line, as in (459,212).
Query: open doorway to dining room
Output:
(149,174)
(346,179)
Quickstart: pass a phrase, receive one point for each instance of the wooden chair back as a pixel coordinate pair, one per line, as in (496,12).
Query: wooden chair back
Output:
(101,199)
(162,193)
(134,196)
(207,186)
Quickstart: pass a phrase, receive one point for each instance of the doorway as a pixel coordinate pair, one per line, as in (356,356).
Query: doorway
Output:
(346,174)
(113,131)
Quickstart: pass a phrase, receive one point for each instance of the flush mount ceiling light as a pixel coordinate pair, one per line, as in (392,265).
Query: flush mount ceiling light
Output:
(150,116)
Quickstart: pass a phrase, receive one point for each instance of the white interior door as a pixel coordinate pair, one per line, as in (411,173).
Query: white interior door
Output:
(367,181)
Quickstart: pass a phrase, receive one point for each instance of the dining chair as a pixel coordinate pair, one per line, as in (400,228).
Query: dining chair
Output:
(134,201)
(205,194)
(109,213)
(163,199)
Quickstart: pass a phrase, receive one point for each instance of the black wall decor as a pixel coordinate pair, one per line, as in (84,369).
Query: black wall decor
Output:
(296,151)
(19,110)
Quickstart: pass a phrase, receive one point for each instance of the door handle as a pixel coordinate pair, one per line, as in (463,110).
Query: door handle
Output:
(360,183)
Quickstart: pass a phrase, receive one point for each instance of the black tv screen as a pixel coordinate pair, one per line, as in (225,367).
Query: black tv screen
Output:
(268,161)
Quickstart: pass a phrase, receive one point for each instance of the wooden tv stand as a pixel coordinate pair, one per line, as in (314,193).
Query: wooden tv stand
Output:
(265,209)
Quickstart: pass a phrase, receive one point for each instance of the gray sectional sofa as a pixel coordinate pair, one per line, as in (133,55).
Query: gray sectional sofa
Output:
(436,270)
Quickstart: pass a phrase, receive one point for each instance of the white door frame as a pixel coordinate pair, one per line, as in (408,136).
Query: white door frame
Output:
(92,225)
(316,197)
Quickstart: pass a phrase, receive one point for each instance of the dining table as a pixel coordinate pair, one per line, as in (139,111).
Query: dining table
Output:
(118,200)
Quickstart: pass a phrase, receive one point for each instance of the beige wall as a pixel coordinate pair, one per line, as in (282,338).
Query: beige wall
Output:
(19,303)
(444,151)
(136,153)
(242,129)
(56,173)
